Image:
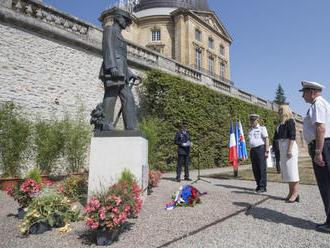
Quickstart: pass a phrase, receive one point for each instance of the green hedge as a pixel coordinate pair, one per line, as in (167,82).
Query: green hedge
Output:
(167,99)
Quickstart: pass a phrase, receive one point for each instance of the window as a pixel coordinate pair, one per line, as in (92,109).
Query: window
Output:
(222,50)
(211,65)
(222,70)
(155,35)
(198,59)
(210,43)
(197,35)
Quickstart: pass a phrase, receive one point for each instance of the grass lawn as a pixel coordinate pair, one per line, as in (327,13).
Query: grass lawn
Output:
(306,174)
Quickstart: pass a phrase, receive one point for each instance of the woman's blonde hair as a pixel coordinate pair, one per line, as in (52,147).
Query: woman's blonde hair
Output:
(286,113)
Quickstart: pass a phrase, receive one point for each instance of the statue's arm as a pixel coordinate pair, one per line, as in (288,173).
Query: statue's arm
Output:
(109,56)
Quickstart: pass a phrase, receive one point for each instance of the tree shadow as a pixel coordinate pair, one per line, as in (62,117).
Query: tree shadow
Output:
(270,215)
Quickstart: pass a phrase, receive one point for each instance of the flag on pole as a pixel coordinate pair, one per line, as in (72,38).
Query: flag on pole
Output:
(242,151)
(232,154)
(237,139)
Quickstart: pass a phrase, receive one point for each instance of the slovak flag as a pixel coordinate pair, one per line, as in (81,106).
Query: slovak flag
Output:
(242,152)
(232,154)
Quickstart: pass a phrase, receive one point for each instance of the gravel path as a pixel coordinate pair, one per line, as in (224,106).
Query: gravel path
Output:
(231,215)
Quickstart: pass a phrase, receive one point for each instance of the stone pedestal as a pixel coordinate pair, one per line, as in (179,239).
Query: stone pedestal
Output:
(112,152)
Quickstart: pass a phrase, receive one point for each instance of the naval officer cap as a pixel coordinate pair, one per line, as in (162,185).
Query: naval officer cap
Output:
(306,85)
(254,117)
(185,122)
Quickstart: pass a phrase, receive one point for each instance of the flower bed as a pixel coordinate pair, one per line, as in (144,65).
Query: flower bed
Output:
(154,178)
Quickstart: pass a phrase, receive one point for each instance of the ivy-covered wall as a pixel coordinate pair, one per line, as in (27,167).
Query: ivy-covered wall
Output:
(167,100)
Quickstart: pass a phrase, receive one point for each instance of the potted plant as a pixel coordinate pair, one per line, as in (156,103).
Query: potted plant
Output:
(74,188)
(107,213)
(154,178)
(49,209)
(15,132)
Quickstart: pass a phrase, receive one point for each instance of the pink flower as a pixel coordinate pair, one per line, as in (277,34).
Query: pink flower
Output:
(102,213)
(95,225)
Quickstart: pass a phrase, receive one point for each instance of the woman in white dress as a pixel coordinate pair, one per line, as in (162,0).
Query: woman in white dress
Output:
(286,135)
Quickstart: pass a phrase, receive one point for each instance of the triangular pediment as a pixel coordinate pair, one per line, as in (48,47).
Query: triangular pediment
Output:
(212,20)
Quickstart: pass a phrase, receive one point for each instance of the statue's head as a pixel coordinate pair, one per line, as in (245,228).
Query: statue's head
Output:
(122,18)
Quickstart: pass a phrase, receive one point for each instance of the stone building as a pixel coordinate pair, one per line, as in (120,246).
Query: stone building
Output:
(187,31)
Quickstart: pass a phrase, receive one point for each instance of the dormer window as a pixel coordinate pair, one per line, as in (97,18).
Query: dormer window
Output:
(155,35)
(211,43)
(198,35)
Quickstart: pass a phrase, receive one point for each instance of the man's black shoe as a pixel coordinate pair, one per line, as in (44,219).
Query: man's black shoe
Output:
(257,189)
(321,224)
(187,179)
(324,228)
(177,180)
(262,190)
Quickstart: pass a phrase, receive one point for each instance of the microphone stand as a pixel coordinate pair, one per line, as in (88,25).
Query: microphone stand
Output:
(198,173)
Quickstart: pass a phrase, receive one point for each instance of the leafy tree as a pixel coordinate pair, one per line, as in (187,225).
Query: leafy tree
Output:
(280,96)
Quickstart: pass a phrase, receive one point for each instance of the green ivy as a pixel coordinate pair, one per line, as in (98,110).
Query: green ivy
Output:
(169,99)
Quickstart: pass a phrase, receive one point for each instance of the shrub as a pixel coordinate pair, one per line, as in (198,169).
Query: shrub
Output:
(34,174)
(150,126)
(77,141)
(49,141)
(15,132)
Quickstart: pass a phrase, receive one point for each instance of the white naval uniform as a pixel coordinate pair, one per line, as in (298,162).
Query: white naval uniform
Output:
(257,135)
(319,112)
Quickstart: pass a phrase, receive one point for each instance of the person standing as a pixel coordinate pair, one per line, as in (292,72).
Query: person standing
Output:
(286,136)
(182,139)
(259,144)
(316,131)
(276,150)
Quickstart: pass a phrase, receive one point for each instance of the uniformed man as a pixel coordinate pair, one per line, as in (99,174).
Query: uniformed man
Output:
(182,139)
(115,74)
(316,132)
(259,144)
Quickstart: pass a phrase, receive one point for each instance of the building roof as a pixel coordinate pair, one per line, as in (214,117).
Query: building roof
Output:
(191,4)
(154,11)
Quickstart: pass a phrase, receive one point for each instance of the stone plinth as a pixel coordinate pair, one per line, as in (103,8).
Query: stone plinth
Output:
(111,153)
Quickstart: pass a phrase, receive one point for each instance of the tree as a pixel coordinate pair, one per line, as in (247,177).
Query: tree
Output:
(280,97)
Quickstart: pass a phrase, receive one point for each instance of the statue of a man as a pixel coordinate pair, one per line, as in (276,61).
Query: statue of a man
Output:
(115,74)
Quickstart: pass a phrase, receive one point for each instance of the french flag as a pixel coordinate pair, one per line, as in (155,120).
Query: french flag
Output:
(232,154)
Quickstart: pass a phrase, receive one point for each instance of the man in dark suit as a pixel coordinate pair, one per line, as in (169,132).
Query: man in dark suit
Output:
(115,74)
(182,139)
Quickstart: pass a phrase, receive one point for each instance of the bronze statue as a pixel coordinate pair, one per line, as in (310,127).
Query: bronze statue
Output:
(115,74)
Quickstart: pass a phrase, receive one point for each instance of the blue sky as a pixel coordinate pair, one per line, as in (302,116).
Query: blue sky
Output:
(282,41)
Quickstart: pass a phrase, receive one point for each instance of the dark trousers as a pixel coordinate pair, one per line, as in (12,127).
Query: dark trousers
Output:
(322,175)
(182,160)
(125,94)
(257,155)
(277,160)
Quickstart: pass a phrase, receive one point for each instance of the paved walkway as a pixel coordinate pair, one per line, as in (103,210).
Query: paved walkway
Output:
(231,215)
